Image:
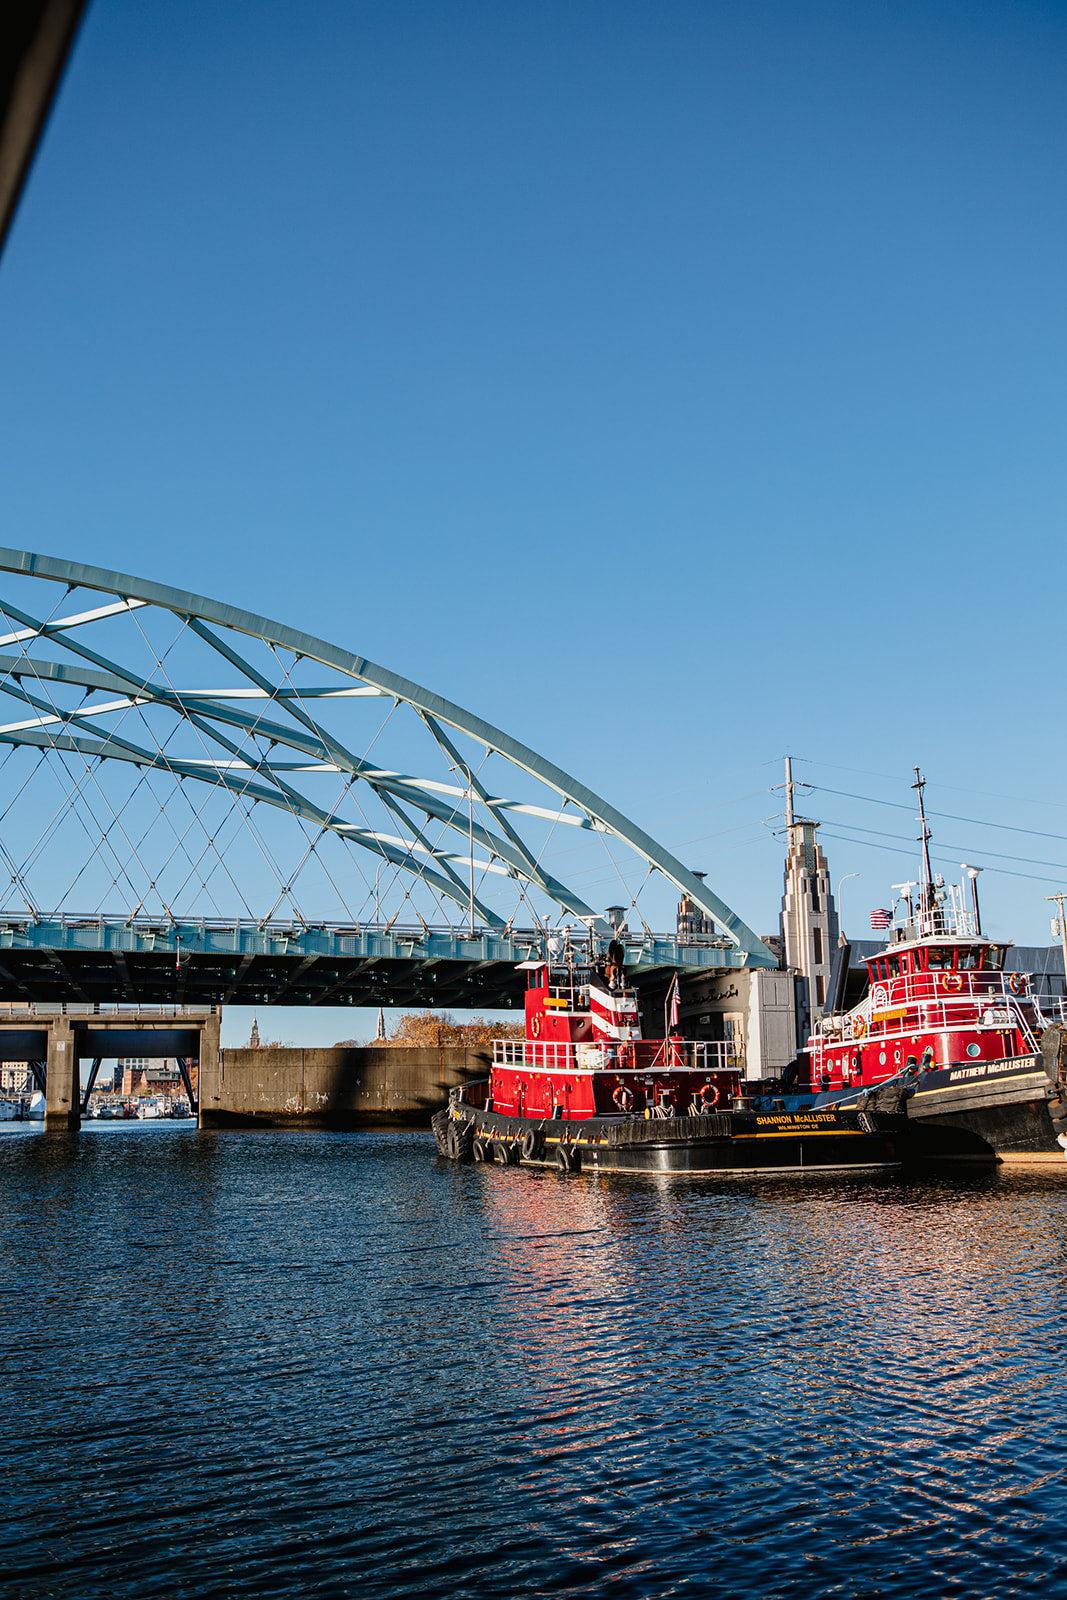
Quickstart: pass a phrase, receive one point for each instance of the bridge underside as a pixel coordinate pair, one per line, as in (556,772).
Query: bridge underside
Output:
(108,962)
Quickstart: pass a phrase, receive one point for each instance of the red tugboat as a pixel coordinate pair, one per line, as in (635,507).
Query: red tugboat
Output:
(584,1089)
(946,1032)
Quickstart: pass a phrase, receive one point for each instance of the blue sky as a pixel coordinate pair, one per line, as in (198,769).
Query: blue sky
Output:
(673,385)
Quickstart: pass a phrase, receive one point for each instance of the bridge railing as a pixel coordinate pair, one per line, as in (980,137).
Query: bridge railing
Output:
(400,933)
(77,1008)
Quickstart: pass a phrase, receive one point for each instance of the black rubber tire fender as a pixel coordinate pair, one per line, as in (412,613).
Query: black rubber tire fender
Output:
(439,1125)
(460,1139)
(568,1158)
(533,1144)
(503,1152)
(481,1149)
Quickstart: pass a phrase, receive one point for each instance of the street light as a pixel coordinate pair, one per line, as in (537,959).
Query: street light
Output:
(840,923)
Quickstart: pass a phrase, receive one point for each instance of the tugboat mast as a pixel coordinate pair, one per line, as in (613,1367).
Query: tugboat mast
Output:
(927,901)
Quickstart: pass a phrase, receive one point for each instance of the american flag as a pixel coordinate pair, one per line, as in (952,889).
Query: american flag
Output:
(675,993)
(881,919)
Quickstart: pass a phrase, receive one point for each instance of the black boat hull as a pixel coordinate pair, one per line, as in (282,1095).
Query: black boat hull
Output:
(996,1110)
(737,1142)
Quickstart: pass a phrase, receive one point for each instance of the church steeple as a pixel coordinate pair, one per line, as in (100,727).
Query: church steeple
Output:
(253,1038)
(379,1037)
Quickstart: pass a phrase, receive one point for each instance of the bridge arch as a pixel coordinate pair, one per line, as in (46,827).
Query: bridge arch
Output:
(99,683)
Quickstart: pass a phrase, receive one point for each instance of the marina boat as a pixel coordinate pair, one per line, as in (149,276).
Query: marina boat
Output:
(585,1089)
(943,1030)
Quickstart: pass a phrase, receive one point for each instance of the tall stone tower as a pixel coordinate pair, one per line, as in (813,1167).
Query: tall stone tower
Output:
(809,917)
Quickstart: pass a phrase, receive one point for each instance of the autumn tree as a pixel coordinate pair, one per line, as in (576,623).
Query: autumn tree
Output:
(433,1029)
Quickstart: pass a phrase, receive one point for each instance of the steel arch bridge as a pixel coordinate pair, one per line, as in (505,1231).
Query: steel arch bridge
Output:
(317,830)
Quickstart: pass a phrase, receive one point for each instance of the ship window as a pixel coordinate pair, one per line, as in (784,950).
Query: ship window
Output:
(969,960)
(918,960)
(893,966)
(905,963)
(994,957)
(939,959)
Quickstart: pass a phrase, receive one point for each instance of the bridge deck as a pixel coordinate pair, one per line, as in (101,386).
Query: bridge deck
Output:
(103,960)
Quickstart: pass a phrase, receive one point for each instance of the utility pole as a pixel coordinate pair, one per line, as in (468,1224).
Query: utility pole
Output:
(789,791)
(1059,899)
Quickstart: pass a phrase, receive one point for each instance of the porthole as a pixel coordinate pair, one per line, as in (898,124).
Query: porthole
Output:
(896,1057)
(881,1058)
(974,1049)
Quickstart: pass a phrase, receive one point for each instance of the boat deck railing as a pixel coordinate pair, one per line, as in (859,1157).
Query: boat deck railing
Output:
(990,1009)
(644,1055)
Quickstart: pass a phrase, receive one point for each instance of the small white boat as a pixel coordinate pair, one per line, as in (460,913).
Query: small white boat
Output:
(33,1110)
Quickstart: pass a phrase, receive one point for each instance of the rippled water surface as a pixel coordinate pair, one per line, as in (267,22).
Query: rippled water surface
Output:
(334,1364)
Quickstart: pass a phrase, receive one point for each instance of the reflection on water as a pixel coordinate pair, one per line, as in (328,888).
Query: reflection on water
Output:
(315,1363)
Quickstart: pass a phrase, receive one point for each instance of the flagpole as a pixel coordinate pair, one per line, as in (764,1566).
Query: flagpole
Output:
(666,1008)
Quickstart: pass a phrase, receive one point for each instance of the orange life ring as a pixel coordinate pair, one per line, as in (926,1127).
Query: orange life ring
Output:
(622,1097)
(535,1025)
(710,1094)
(859,1028)
(953,981)
(1017,983)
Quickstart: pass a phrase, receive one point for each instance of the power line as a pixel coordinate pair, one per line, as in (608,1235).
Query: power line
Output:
(949,816)
(995,855)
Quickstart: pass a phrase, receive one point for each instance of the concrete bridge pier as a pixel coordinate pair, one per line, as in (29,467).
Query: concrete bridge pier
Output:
(62,1095)
(209,1083)
(61,1040)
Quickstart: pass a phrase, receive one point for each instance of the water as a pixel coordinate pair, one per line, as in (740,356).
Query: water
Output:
(332,1364)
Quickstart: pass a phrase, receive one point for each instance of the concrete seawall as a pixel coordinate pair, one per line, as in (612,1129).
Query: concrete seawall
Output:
(338,1088)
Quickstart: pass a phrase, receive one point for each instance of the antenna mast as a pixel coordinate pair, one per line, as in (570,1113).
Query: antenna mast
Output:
(920,785)
(928,890)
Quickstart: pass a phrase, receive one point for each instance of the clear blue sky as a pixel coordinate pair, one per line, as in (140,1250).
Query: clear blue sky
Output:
(701,362)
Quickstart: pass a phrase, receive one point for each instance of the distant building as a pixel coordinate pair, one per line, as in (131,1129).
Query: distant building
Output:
(693,923)
(809,918)
(148,1075)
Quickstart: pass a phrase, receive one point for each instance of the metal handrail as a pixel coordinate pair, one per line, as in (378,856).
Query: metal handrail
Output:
(640,1057)
(401,932)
